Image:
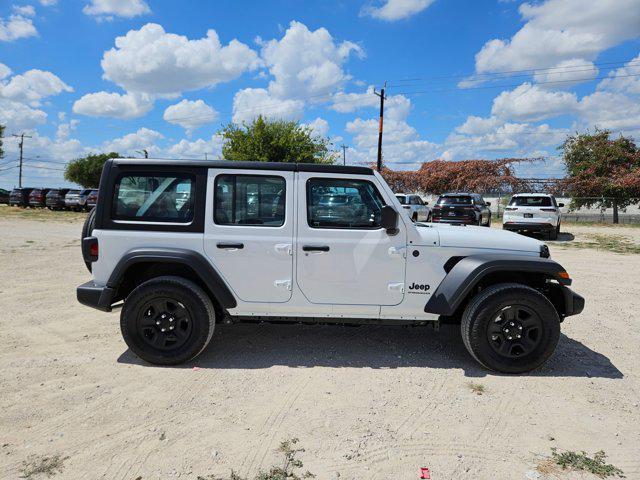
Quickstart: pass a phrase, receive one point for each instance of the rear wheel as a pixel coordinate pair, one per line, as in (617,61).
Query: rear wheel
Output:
(553,233)
(510,328)
(167,320)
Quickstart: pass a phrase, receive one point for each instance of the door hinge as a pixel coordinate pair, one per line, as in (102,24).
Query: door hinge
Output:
(398,251)
(286,284)
(396,287)
(285,248)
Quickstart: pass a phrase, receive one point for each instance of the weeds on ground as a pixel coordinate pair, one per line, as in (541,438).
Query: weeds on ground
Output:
(48,466)
(476,388)
(288,470)
(570,460)
(7,213)
(611,243)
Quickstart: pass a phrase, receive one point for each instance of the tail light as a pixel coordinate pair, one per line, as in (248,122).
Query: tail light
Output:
(90,249)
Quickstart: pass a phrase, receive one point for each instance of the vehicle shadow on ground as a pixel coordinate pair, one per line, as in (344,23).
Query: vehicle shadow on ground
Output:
(562,236)
(247,346)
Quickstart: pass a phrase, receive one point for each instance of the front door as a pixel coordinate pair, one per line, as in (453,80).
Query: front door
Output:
(249,232)
(344,256)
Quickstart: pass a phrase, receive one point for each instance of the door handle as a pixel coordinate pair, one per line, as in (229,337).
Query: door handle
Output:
(315,248)
(235,246)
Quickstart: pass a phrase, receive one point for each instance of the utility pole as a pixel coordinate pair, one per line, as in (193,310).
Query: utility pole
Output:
(344,154)
(21,145)
(382,99)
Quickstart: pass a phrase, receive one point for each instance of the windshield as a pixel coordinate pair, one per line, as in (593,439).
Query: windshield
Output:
(455,200)
(402,199)
(531,202)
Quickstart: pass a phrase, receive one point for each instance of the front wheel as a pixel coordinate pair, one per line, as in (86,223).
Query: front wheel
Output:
(510,328)
(167,320)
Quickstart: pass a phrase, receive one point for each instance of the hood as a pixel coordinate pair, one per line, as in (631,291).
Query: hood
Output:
(482,238)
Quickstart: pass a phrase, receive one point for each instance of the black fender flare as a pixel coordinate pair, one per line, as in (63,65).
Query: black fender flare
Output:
(469,271)
(198,263)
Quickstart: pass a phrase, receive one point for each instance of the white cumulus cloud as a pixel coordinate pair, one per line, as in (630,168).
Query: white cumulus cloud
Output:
(625,79)
(107,9)
(561,30)
(306,63)
(32,86)
(153,61)
(211,149)
(190,115)
(392,10)
(319,127)
(143,139)
(531,103)
(16,27)
(115,105)
(19,115)
(26,10)
(249,103)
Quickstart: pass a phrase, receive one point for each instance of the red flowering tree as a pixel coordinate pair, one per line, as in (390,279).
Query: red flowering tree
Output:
(442,176)
(605,172)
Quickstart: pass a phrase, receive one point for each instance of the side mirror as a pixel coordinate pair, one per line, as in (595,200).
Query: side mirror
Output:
(389,219)
(488,204)
(560,205)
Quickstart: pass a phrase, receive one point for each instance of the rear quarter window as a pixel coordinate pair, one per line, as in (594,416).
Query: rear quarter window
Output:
(154,198)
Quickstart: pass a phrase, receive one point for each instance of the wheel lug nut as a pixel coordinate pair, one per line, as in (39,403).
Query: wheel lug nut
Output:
(164,316)
(171,327)
(171,319)
(162,329)
(510,338)
(520,327)
(519,336)
(158,322)
(506,330)
(511,323)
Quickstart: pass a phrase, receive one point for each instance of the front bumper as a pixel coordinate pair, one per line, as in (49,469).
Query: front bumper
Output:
(95,296)
(529,227)
(573,303)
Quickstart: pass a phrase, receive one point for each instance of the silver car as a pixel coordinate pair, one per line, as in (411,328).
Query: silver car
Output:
(416,207)
(71,199)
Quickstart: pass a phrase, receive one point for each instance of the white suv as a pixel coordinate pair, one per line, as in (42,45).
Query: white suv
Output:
(415,207)
(183,245)
(533,212)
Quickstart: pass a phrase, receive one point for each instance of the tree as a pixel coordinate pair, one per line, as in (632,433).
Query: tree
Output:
(265,140)
(602,171)
(86,171)
(442,176)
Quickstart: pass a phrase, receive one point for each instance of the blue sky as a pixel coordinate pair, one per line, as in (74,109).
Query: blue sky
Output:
(467,79)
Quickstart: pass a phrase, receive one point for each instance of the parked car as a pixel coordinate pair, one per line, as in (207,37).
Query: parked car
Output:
(56,198)
(38,197)
(4,195)
(19,197)
(533,212)
(71,199)
(181,270)
(416,207)
(92,199)
(82,198)
(462,208)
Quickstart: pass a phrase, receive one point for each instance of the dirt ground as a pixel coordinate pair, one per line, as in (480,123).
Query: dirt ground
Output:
(366,402)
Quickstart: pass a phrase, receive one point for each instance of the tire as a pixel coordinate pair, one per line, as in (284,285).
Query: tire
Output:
(536,316)
(488,221)
(87,230)
(553,233)
(145,338)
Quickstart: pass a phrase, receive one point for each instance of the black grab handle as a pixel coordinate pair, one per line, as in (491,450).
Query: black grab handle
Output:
(230,245)
(315,248)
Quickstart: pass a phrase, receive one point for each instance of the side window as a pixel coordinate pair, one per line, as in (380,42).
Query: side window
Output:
(255,200)
(154,198)
(339,203)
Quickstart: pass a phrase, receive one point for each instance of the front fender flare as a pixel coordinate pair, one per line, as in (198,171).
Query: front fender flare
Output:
(468,272)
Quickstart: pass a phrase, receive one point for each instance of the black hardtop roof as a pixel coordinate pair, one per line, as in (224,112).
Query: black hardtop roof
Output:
(227,164)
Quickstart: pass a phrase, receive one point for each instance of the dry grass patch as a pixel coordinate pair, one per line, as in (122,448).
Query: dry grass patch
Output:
(43,214)
(476,388)
(48,466)
(578,461)
(610,243)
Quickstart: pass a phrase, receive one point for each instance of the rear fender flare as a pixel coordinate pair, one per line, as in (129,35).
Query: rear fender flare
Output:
(198,263)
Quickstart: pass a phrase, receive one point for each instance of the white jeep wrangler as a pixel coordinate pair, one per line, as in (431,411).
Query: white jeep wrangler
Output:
(187,244)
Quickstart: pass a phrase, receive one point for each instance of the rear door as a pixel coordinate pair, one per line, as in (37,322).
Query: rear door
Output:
(344,257)
(249,232)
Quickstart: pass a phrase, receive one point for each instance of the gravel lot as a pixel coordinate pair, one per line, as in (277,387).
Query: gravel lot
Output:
(366,402)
